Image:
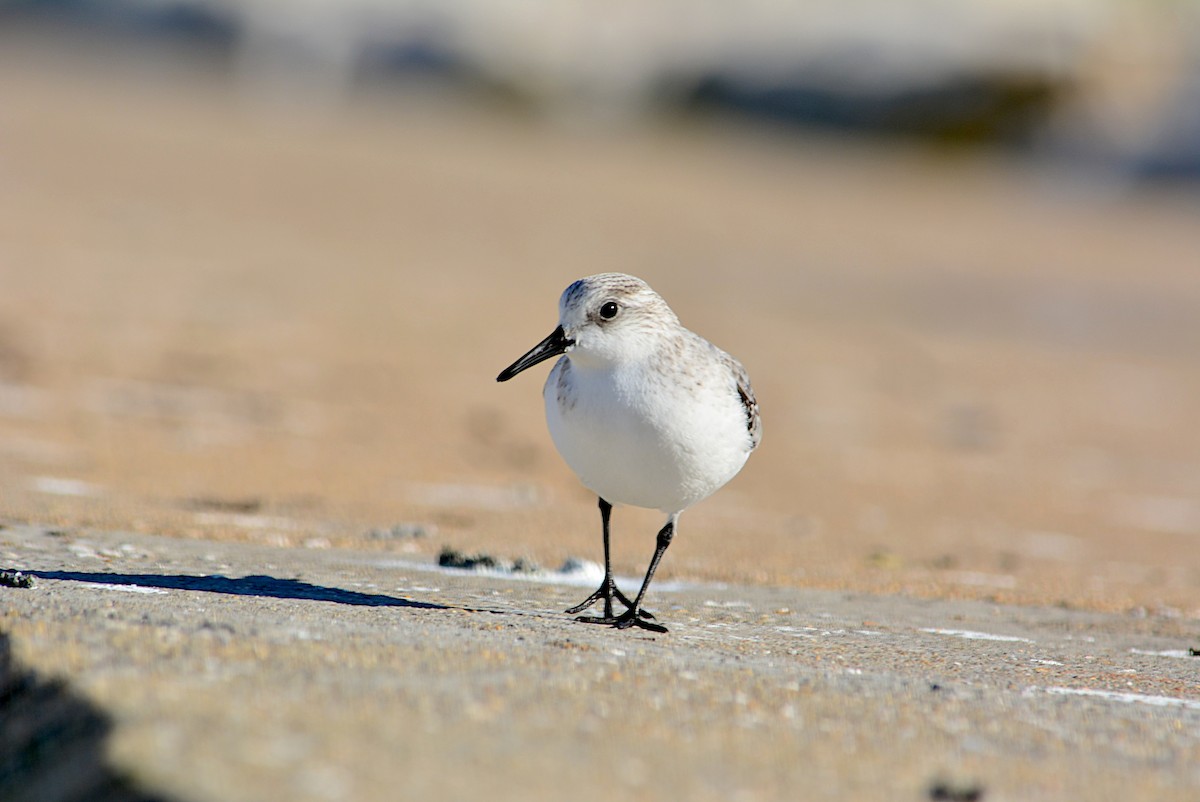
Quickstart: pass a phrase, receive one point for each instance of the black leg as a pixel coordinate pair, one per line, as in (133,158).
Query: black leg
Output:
(635,616)
(608,589)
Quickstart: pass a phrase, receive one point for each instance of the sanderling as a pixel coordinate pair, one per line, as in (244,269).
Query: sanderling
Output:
(645,411)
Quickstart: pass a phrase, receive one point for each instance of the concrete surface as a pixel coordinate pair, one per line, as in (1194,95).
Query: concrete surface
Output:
(241,672)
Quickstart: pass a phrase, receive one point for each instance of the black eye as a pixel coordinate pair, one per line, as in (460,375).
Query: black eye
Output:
(609,310)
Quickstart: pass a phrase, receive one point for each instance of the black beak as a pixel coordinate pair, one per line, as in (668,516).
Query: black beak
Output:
(552,346)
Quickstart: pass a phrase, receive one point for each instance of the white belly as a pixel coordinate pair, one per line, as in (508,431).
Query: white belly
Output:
(649,444)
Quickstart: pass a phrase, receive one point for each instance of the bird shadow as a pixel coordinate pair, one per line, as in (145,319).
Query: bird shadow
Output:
(255,585)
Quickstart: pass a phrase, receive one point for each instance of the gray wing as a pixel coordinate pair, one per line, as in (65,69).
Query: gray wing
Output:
(749,402)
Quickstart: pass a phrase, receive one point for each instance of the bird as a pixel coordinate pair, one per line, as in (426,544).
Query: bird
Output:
(646,413)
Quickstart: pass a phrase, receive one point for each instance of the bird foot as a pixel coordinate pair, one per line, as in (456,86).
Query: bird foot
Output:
(629,618)
(607,591)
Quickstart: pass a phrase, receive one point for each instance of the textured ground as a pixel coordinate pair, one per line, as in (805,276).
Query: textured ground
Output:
(240,672)
(274,334)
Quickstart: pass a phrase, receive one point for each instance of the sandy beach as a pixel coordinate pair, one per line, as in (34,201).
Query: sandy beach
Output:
(261,345)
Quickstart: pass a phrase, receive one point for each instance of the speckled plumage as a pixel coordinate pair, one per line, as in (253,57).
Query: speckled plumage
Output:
(641,394)
(643,410)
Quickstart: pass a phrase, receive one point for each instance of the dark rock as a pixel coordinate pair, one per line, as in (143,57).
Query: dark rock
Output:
(16,579)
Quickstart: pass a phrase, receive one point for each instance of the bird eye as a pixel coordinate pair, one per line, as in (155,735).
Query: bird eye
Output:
(609,310)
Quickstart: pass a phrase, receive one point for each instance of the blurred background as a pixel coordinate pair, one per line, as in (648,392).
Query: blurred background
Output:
(261,261)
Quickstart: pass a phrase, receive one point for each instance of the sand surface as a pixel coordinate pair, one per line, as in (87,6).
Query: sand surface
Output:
(243,672)
(272,334)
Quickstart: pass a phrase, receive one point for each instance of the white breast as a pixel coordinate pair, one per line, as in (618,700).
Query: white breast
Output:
(638,437)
